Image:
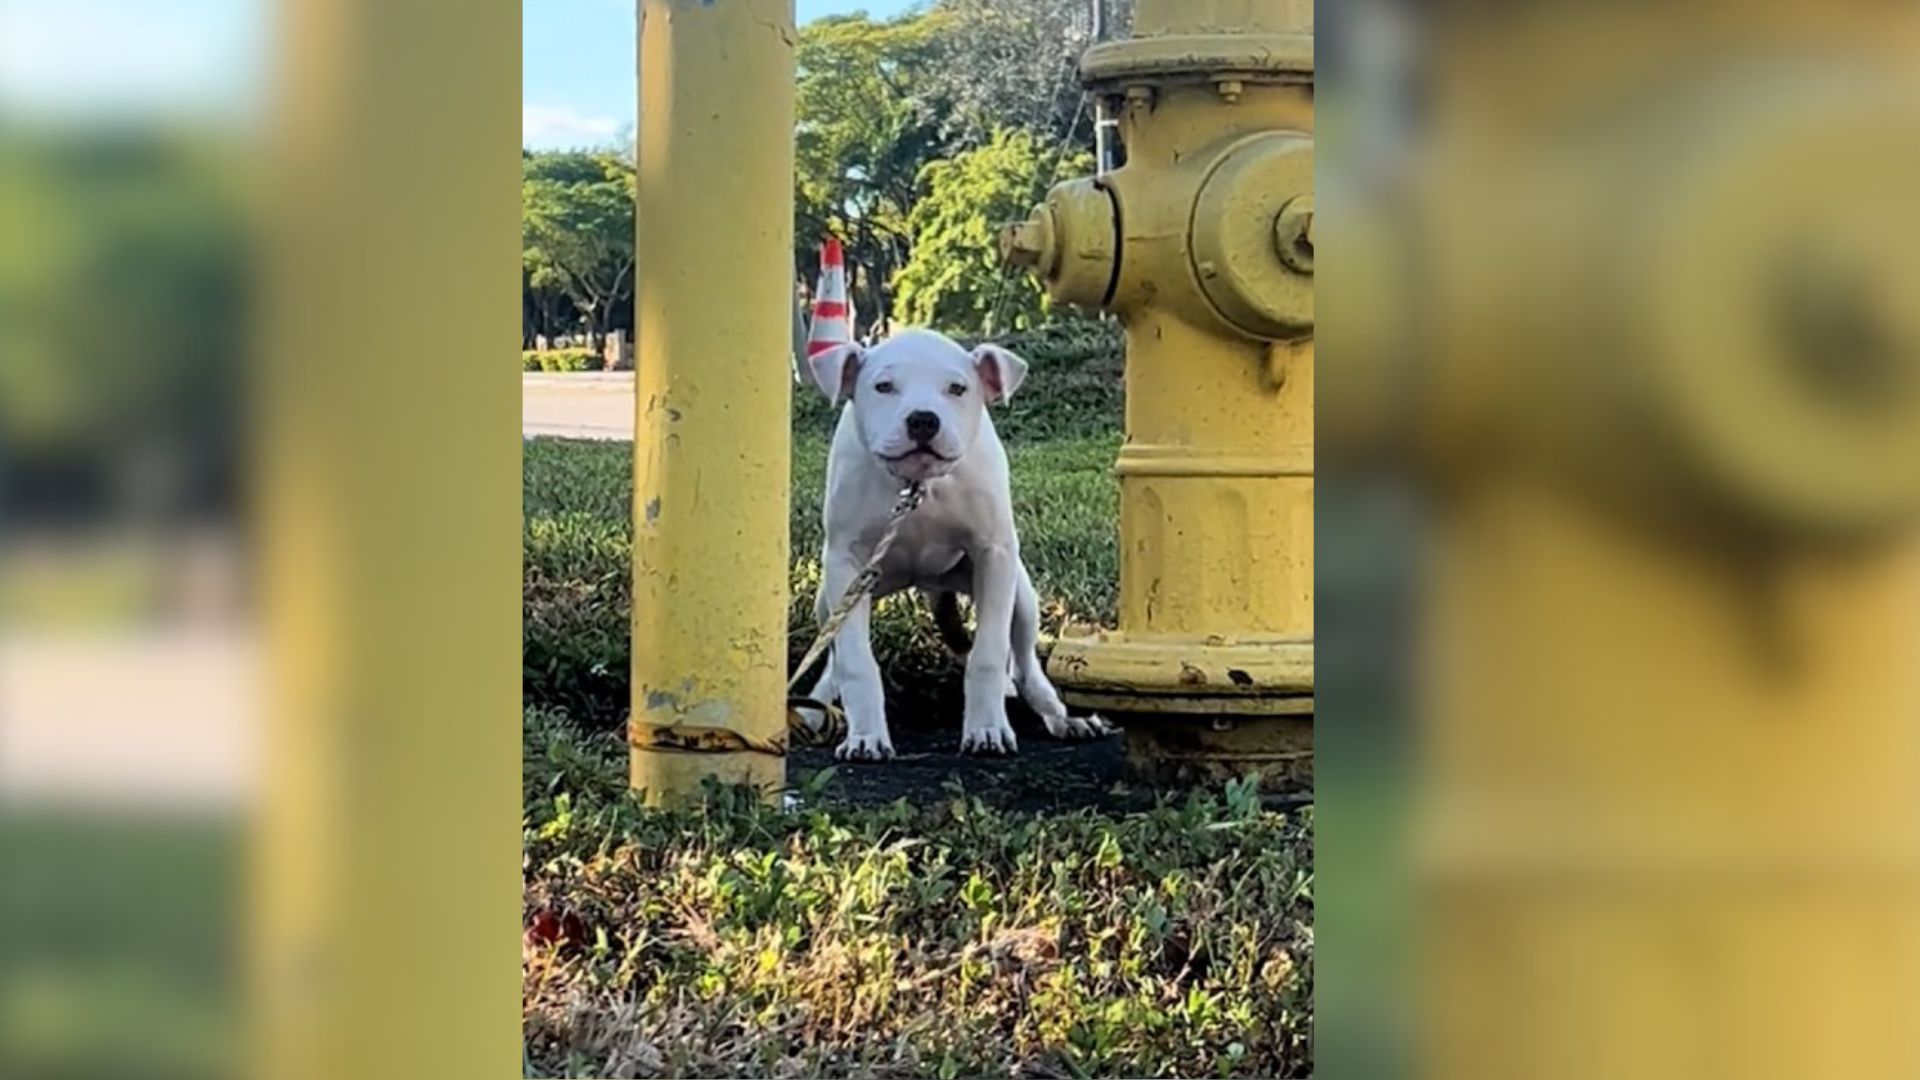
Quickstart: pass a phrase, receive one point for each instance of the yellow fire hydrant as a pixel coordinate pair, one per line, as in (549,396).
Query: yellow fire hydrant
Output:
(1668,809)
(1202,245)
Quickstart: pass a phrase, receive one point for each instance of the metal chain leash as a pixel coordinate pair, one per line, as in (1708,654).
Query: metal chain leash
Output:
(859,589)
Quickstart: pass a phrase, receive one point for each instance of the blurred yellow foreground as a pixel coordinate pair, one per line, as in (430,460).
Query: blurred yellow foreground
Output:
(1630,296)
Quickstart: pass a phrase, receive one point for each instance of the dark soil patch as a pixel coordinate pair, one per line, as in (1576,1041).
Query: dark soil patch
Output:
(1046,775)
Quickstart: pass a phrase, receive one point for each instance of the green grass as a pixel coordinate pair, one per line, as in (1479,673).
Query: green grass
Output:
(1063,434)
(121,957)
(949,938)
(964,933)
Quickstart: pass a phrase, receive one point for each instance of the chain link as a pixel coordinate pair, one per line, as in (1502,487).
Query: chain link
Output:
(862,585)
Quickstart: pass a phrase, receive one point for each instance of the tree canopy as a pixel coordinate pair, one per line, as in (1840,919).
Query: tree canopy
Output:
(577,233)
(915,139)
(954,278)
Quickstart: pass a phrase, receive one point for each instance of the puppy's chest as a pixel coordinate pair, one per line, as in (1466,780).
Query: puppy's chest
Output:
(929,548)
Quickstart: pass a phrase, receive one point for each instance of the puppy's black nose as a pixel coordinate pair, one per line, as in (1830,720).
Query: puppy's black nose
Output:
(922,426)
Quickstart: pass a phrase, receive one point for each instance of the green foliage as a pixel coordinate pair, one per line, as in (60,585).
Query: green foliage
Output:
(951,105)
(133,933)
(561,360)
(1063,436)
(955,278)
(577,230)
(121,273)
(1011,63)
(882,105)
(866,128)
(577,577)
(955,938)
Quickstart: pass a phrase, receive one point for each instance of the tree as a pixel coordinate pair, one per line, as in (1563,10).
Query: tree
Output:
(954,279)
(577,222)
(884,107)
(869,120)
(1011,63)
(123,291)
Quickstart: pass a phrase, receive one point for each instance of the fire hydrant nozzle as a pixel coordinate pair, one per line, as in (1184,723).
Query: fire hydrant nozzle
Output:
(1029,244)
(1071,244)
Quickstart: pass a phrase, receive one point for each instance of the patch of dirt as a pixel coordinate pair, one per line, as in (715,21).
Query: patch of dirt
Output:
(1046,775)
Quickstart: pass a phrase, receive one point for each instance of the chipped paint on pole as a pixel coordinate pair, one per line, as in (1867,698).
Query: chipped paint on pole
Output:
(713,313)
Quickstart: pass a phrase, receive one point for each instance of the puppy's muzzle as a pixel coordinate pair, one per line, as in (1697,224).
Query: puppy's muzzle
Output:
(922,426)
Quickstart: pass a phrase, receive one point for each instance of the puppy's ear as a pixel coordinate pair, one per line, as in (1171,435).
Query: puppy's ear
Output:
(835,370)
(1001,372)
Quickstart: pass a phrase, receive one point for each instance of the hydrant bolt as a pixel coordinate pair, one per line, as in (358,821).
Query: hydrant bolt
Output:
(1293,234)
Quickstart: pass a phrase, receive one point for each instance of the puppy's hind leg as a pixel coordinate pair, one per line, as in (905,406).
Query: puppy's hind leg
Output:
(953,631)
(986,730)
(1031,675)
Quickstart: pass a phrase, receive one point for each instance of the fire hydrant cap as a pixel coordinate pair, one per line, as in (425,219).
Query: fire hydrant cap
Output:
(1781,330)
(1238,230)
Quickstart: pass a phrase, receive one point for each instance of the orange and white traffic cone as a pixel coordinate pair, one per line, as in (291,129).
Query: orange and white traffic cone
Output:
(832,310)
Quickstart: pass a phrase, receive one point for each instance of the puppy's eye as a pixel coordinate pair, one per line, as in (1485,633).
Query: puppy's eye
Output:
(958,389)
(884,386)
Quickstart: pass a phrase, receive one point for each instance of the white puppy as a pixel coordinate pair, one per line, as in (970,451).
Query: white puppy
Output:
(915,409)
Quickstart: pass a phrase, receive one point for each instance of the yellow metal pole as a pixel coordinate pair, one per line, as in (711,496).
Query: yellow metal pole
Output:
(713,310)
(1202,245)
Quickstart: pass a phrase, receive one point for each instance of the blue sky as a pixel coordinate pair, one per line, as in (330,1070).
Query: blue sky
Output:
(577,72)
(206,57)
(78,58)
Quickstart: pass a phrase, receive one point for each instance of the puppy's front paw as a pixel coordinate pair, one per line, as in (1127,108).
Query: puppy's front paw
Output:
(865,748)
(1073,728)
(992,738)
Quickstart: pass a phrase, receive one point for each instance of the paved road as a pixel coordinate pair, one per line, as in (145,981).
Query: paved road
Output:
(579,406)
